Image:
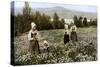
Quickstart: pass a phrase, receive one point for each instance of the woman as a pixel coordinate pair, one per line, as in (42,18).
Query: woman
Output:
(73,31)
(66,34)
(33,39)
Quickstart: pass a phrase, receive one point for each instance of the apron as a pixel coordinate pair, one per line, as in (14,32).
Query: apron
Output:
(34,45)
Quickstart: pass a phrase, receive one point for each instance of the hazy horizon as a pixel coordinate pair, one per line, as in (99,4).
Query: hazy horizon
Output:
(83,8)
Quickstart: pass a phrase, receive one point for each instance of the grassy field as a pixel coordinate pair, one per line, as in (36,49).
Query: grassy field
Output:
(83,50)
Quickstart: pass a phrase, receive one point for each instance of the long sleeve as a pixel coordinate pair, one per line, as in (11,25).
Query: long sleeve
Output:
(29,36)
(66,27)
(71,29)
(75,28)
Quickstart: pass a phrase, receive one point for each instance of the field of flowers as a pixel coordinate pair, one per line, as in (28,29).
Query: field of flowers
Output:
(83,50)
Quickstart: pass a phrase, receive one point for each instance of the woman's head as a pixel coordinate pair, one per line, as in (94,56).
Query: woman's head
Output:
(33,26)
(72,24)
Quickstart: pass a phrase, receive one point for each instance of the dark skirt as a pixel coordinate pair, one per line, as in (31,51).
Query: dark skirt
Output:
(73,36)
(34,46)
(66,38)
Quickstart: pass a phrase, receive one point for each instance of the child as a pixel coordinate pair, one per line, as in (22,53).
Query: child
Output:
(45,46)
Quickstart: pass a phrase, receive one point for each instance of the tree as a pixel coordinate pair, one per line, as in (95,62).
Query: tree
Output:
(38,20)
(90,23)
(55,21)
(76,21)
(26,17)
(85,22)
(45,22)
(61,23)
(80,23)
(18,24)
(94,22)
(26,9)
(23,21)
(57,24)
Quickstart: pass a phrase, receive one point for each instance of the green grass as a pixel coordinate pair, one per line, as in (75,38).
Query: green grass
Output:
(90,29)
(83,50)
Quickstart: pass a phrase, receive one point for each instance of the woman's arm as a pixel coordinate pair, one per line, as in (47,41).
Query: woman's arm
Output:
(75,28)
(29,36)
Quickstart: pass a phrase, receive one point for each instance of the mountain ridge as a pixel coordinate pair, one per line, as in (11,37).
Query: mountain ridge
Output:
(61,11)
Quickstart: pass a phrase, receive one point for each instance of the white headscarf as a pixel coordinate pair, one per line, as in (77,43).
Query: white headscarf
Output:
(33,25)
(45,42)
(66,27)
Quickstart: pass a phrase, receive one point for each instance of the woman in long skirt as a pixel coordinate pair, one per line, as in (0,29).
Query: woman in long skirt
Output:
(33,39)
(66,37)
(66,34)
(73,30)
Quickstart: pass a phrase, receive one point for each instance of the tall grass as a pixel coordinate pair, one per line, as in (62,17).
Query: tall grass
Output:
(83,50)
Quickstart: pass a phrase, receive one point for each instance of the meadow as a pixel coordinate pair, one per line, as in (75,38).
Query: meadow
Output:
(85,49)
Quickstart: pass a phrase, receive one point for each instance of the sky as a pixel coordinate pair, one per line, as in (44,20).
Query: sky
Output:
(83,8)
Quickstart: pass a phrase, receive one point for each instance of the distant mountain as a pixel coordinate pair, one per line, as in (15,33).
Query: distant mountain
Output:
(62,12)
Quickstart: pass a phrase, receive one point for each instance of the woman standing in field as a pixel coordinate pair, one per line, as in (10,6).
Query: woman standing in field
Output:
(66,34)
(73,31)
(33,39)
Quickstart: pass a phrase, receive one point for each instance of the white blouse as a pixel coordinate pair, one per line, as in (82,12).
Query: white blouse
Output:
(73,28)
(30,36)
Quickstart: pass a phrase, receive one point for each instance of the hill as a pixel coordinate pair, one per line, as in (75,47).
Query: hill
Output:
(61,11)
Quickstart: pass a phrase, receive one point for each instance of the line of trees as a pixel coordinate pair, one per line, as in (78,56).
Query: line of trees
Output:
(22,22)
(82,21)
